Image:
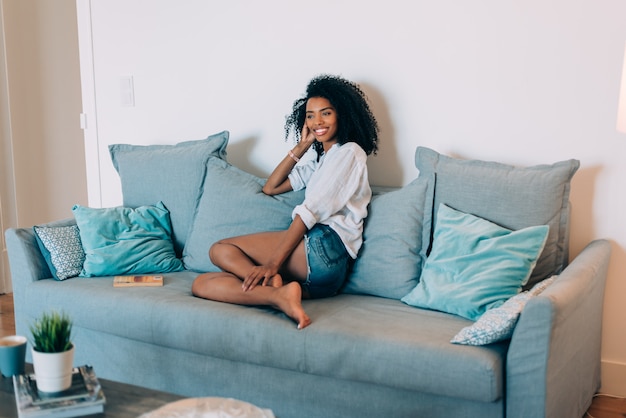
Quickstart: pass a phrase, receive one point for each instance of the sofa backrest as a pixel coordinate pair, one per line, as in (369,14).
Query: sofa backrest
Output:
(172,174)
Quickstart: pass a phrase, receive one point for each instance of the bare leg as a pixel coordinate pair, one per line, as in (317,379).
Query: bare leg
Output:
(226,287)
(276,281)
(239,255)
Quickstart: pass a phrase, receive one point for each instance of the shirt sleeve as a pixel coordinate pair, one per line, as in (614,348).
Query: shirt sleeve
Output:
(301,174)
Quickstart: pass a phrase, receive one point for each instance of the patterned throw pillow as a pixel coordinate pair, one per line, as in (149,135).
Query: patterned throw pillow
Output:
(62,249)
(498,324)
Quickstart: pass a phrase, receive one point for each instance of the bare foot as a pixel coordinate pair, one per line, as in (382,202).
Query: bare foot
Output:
(289,301)
(275,281)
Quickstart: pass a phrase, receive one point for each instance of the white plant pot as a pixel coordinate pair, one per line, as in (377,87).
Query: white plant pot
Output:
(53,371)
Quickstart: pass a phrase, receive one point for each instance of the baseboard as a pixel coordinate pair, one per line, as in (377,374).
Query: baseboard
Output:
(613,378)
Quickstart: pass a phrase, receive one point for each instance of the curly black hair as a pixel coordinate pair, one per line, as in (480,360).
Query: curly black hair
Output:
(356,122)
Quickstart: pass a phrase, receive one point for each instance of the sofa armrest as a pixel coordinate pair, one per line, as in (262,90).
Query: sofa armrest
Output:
(553,362)
(26,262)
(25,259)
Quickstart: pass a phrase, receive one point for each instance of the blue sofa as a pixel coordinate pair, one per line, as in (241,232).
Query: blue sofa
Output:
(366,353)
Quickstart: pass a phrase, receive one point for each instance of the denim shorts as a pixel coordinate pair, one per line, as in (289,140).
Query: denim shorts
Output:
(328,262)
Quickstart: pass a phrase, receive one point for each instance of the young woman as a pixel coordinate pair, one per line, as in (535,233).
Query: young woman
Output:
(311,258)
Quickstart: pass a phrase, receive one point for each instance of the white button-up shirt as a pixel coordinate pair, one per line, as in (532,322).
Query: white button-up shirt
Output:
(337,192)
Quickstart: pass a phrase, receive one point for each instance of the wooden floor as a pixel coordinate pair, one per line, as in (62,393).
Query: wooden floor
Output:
(7,319)
(603,406)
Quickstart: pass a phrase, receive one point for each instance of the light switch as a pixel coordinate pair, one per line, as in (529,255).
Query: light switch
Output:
(127,91)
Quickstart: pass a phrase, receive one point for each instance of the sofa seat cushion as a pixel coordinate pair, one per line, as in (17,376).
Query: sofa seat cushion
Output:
(383,341)
(353,337)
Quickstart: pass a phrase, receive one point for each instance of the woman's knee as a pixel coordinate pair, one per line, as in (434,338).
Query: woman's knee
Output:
(213,252)
(198,285)
(218,251)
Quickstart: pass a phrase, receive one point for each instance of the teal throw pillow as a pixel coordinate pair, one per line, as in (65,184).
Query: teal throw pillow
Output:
(121,241)
(498,324)
(390,260)
(62,249)
(475,265)
(172,174)
(232,204)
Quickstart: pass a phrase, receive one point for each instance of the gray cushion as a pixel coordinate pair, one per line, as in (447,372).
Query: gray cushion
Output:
(233,204)
(389,263)
(172,174)
(512,197)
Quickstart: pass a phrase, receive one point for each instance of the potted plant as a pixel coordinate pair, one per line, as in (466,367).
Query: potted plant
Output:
(53,351)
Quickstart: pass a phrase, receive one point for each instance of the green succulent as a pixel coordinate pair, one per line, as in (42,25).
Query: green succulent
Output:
(52,333)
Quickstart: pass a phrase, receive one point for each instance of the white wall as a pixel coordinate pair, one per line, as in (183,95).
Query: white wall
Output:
(44,95)
(42,157)
(518,82)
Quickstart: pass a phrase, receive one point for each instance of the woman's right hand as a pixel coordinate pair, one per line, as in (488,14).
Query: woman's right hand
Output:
(307,137)
(261,275)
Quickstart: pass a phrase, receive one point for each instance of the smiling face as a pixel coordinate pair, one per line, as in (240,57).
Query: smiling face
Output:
(321,119)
